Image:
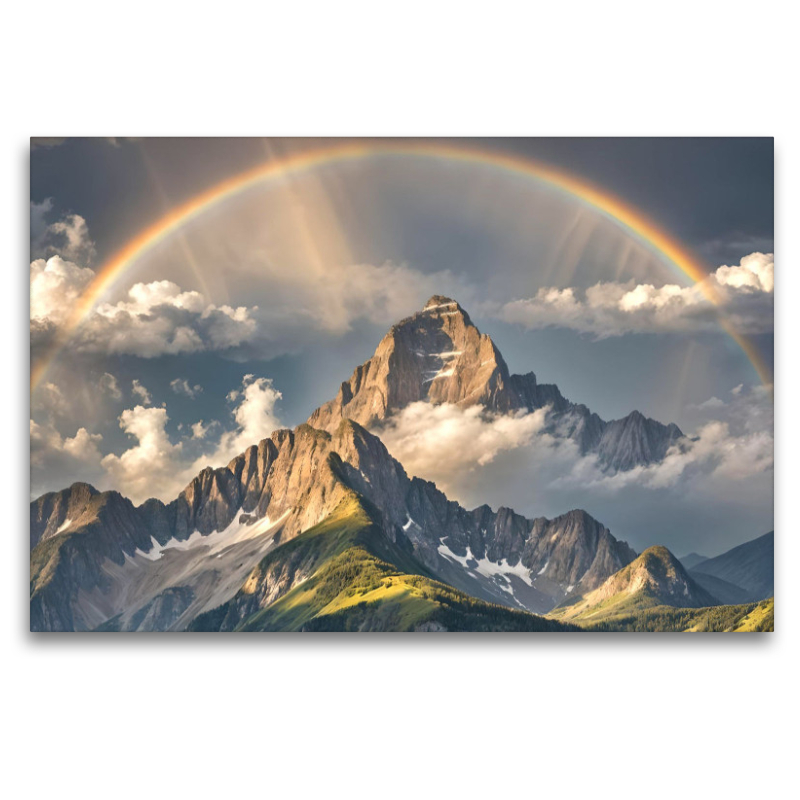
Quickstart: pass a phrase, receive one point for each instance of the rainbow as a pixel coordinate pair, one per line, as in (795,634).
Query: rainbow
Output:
(606,203)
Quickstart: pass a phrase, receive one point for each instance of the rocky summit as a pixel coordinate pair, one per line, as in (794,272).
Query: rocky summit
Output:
(439,356)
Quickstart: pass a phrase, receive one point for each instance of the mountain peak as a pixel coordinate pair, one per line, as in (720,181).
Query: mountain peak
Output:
(436,355)
(661,575)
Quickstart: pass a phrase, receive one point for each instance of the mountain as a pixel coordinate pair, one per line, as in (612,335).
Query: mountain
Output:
(345,575)
(655,578)
(691,560)
(158,566)
(750,566)
(724,591)
(439,356)
(99,561)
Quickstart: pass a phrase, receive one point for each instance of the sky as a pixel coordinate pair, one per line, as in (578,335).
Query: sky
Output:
(251,315)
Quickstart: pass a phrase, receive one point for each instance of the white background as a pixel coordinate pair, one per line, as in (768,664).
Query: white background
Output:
(393,716)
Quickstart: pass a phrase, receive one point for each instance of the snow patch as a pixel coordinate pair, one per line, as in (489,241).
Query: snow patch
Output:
(218,540)
(546,565)
(487,568)
(409,523)
(64,525)
(442,373)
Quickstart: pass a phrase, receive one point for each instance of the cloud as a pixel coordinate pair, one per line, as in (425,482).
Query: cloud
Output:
(150,467)
(378,293)
(56,284)
(256,418)
(109,385)
(718,480)
(53,455)
(67,236)
(155,319)
(156,467)
(714,454)
(199,431)
(755,272)
(745,295)
(50,399)
(440,442)
(46,439)
(142,392)
(182,386)
(161,318)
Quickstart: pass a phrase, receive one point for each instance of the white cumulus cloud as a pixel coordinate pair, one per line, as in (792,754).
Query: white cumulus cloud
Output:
(55,286)
(156,318)
(155,466)
(442,442)
(149,468)
(744,294)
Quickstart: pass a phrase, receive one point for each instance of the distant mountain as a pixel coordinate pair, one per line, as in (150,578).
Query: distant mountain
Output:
(692,560)
(655,578)
(439,356)
(724,591)
(750,566)
(158,566)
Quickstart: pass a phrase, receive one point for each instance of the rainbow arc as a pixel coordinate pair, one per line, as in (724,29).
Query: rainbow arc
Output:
(621,213)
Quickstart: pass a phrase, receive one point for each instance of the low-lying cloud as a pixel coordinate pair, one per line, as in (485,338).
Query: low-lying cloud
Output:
(444,442)
(725,468)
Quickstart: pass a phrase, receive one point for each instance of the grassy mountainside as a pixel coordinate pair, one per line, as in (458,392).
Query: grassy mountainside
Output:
(346,575)
(748,618)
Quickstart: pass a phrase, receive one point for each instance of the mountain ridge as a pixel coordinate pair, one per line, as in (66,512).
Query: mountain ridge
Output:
(749,566)
(271,493)
(437,355)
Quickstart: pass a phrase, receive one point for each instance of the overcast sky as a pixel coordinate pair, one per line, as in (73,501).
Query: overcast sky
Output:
(253,314)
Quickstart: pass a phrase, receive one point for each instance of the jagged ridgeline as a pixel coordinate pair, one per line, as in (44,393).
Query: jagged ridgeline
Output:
(438,355)
(320,528)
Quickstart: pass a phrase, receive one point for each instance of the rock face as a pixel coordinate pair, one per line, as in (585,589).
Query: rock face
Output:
(120,566)
(439,356)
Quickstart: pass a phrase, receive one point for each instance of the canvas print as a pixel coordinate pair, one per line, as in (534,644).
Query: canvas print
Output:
(422,385)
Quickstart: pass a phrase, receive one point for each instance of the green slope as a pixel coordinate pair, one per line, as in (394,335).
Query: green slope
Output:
(747,618)
(347,576)
(655,593)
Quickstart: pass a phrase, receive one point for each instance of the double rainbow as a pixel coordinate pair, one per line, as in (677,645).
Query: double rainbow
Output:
(610,206)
